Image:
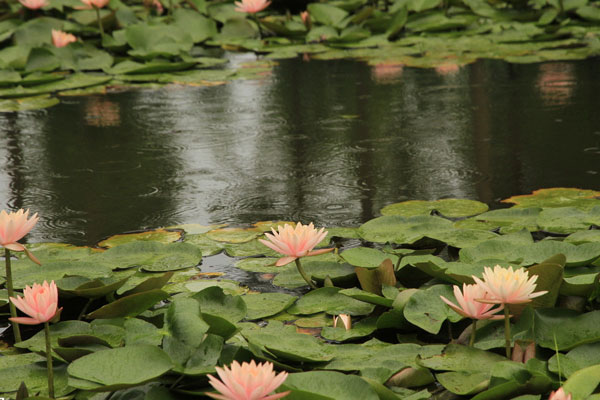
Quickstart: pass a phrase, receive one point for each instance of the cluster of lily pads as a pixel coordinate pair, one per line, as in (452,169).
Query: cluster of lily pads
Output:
(143,318)
(132,43)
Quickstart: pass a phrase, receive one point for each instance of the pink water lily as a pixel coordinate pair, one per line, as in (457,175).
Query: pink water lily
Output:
(61,39)
(13,226)
(560,395)
(40,302)
(469,307)
(251,6)
(507,286)
(248,381)
(34,4)
(295,242)
(95,3)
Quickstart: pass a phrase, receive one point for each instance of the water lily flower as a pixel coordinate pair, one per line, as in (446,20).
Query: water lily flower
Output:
(469,307)
(305,16)
(13,226)
(251,6)
(295,242)
(34,4)
(560,395)
(95,3)
(507,286)
(248,381)
(344,319)
(61,39)
(40,302)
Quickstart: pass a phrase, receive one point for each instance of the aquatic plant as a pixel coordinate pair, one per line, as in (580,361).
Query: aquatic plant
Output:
(470,307)
(13,226)
(506,286)
(40,303)
(247,381)
(296,242)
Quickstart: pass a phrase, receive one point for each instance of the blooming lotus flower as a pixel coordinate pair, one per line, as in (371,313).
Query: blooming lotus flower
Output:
(34,4)
(61,39)
(560,395)
(95,3)
(40,302)
(469,307)
(251,6)
(507,286)
(249,381)
(295,242)
(343,319)
(13,226)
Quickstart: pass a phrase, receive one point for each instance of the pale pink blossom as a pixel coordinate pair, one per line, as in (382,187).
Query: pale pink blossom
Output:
(95,3)
(344,319)
(13,226)
(560,395)
(251,6)
(506,286)
(61,39)
(248,381)
(295,242)
(159,7)
(40,302)
(34,4)
(469,307)
(305,16)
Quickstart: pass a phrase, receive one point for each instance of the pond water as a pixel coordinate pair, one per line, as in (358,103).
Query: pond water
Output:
(324,141)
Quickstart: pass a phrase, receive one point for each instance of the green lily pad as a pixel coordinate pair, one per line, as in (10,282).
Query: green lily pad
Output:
(262,265)
(130,306)
(121,367)
(233,235)
(262,305)
(425,309)
(207,246)
(151,256)
(366,257)
(30,273)
(327,385)
(557,197)
(452,208)
(329,300)
(229,287)
(289,277)
(360,329)
(397,229)
(29,103)
(578,358)
(213,300)
(158,235)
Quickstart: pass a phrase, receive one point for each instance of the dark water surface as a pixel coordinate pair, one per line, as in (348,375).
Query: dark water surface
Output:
(324,141)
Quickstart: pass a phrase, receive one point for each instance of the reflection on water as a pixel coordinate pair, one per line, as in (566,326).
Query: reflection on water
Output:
(330,142)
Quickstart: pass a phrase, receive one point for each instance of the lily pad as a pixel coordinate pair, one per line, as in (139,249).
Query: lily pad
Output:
(262,305)
(158,235)
(452,208)
(329,299)
(327,385)
(557,197)
(397,229)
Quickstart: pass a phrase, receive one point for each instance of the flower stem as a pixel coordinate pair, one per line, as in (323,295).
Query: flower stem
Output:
(507,330)
(260,33)
(49,361)
(11,293)
(85,308)
(306,278)
(473,330)
(99,21)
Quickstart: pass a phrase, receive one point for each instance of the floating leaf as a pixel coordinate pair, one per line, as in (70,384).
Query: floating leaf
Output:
(557,197)
(329,300)
(262,305)
(327,385)
(121,367)
(129,306)
(158,235)
(452,208)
